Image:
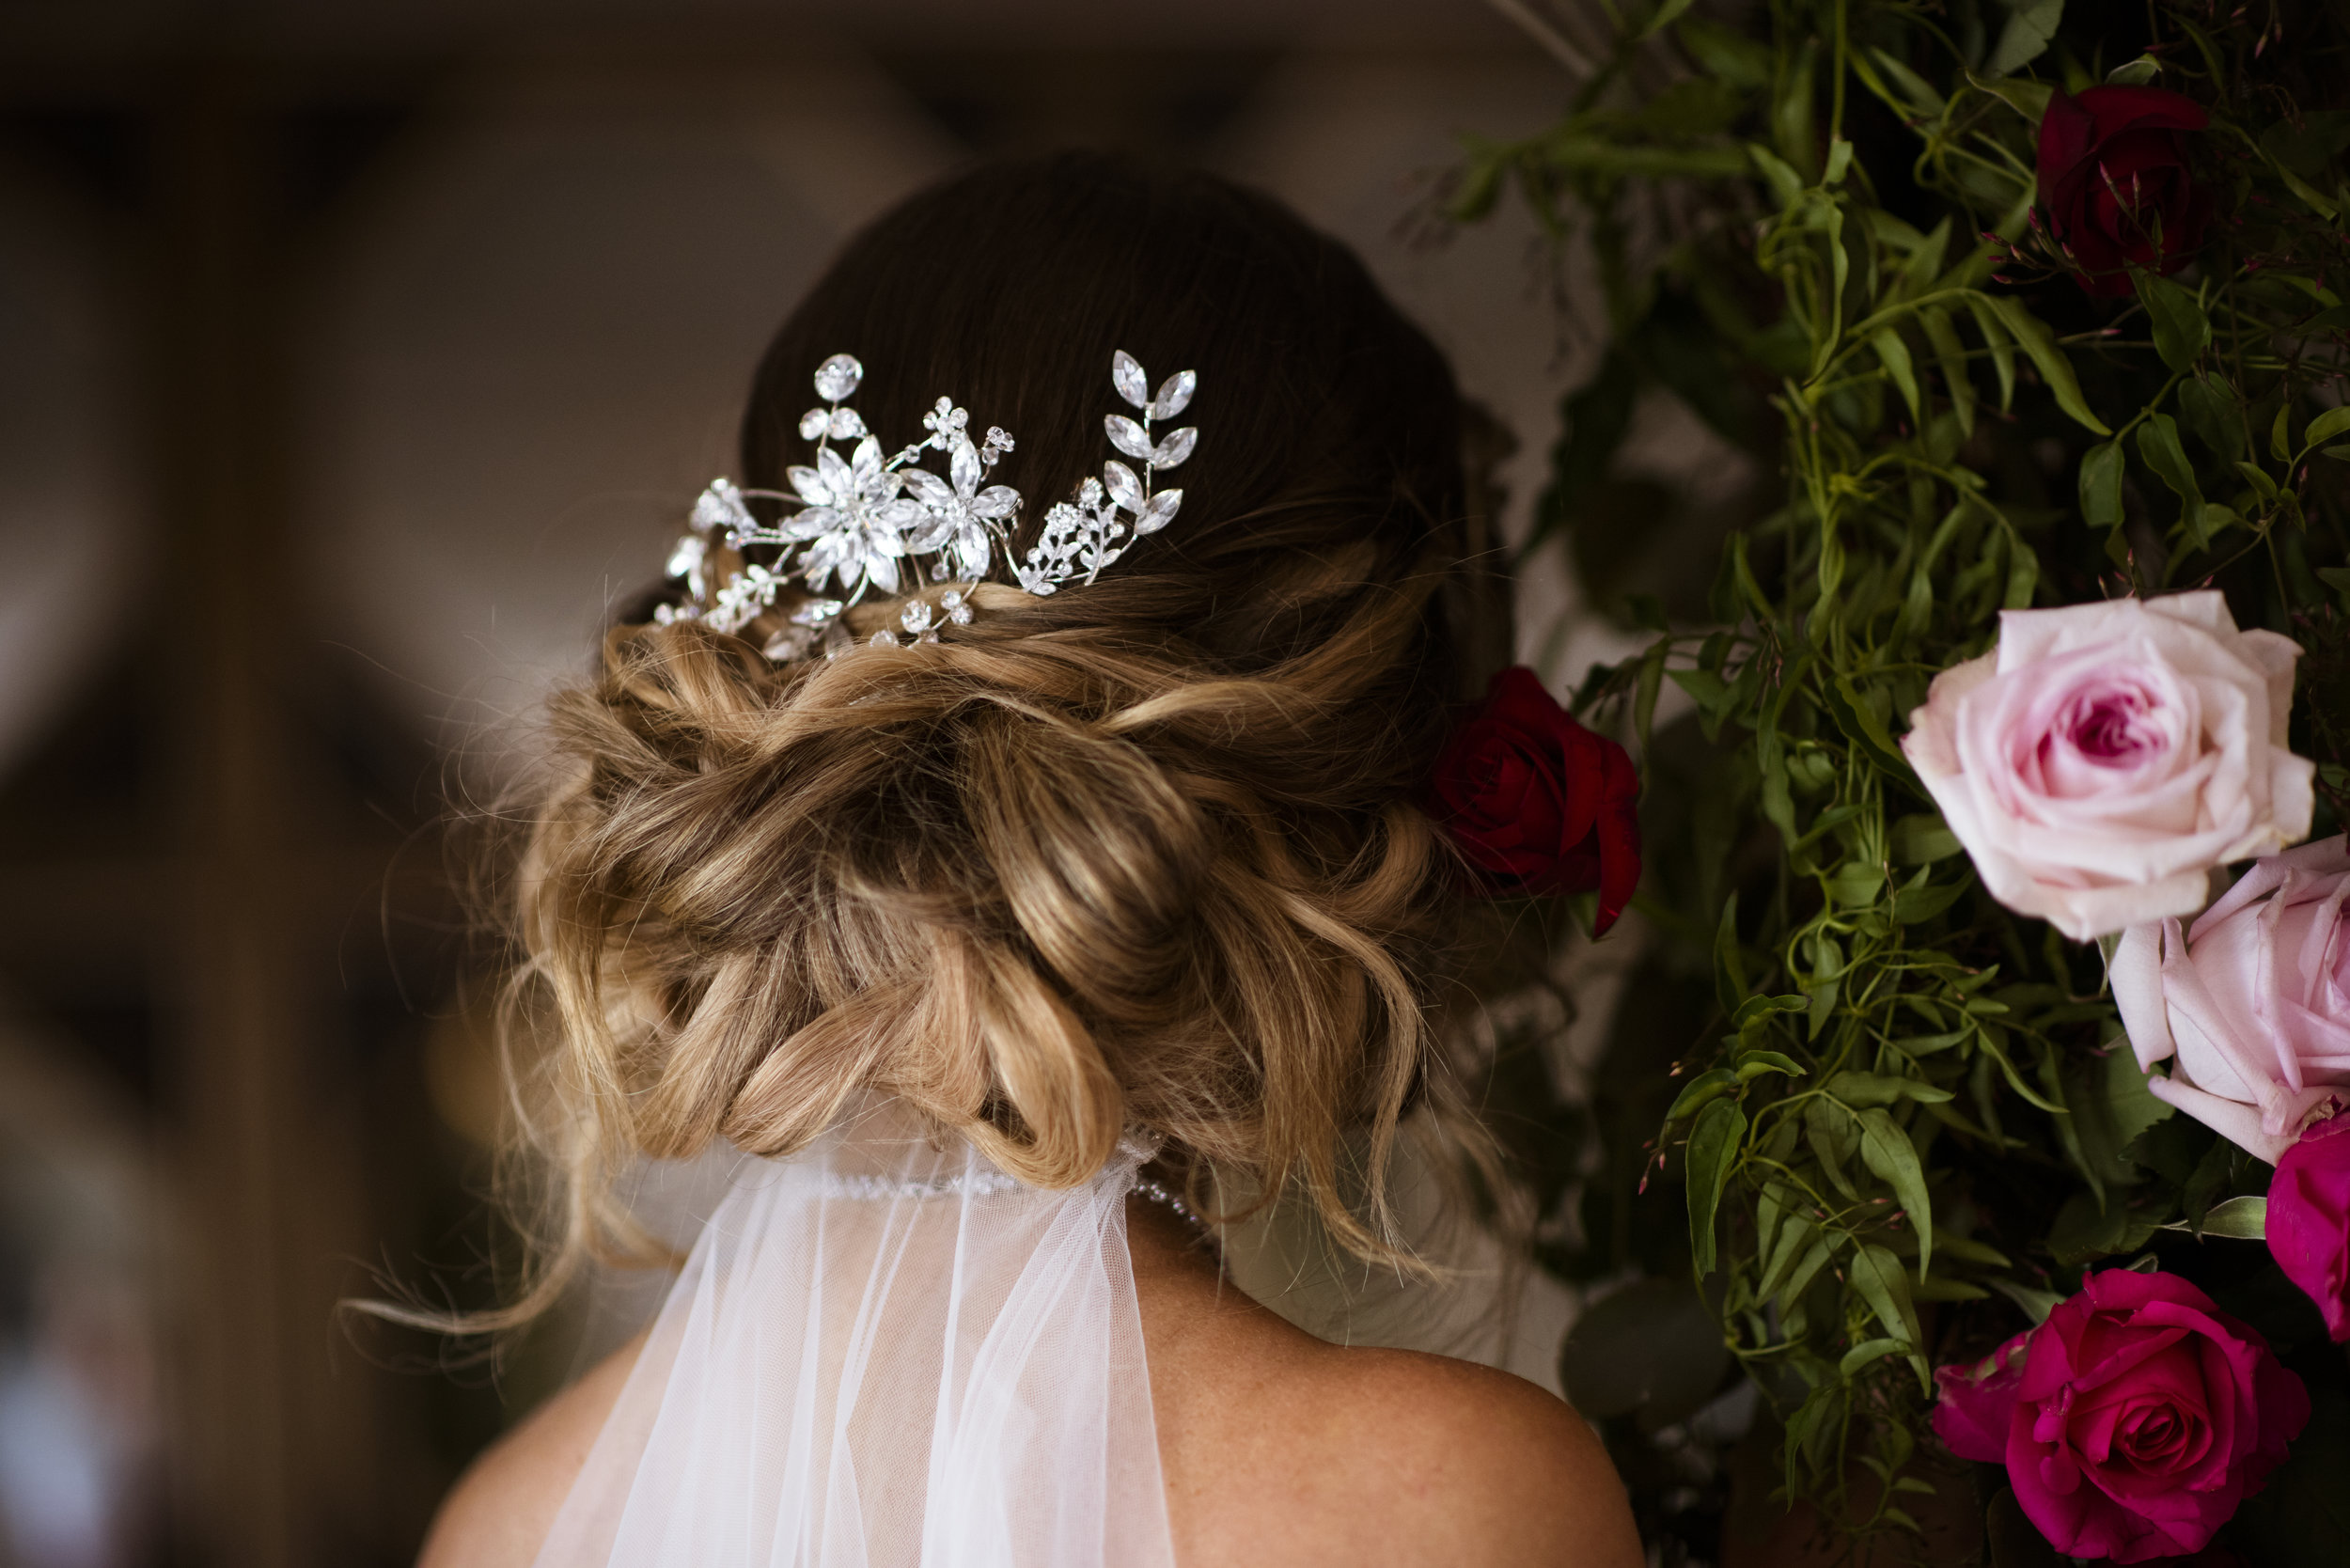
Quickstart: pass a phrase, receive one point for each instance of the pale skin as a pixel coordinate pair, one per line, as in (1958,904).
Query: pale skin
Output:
(1277,1448)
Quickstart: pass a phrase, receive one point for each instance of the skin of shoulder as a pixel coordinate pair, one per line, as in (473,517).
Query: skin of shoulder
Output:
(1281,1447)
(1276,1446)
(1456,1463)
(499,1512)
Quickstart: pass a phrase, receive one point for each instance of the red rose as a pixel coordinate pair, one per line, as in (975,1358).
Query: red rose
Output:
(2308,1218)
(1536,802)
(2132,1423)
(2114,180)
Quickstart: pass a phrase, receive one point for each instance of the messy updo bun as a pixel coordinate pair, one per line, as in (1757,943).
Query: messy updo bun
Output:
(1141,852)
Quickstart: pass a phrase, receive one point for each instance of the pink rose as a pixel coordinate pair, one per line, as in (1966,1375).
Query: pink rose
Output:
(2308,1219)
(2251,1003)
(2104,757)
(2132,1423)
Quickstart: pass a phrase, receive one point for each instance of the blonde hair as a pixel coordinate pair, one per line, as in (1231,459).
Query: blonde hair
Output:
(1144,851)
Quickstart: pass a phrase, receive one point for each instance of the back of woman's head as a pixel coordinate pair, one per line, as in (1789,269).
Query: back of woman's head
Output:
(1140,852)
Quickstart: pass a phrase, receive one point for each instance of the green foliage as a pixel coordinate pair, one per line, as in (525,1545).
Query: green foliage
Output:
(1902,1111)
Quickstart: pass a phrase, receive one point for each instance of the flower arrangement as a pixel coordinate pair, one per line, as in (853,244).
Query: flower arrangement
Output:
(2034,622)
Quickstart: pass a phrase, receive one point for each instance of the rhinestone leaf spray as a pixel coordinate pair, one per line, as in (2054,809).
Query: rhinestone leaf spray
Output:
(864,524)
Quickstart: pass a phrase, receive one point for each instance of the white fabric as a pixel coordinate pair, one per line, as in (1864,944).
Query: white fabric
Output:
(883,1353)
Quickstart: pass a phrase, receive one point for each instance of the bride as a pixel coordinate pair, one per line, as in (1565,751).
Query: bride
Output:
(1017,887)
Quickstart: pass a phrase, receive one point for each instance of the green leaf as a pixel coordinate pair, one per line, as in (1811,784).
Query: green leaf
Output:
(1713,1148)
(1730,965)
(2181,329)
(1866,1352)
(2024,38)
(1667,14)
(1881,1280)
(1756,1007)
(1786,184)
(1480,188)
(2211,520)
(1894,355)
(2037,1303)
(2158,444)
(1995,337)
(1796,1238)
(2327,426)
(2243,1218)
(1890,1155)
(1702,1090)
(2032,336)
(2257,477)
(1791,110)
(1919,98)
(2101,485)
(1952,355)
(1725,54)
(1753,1064)
(1857,718)
(1919,900)
(1922,839)
(1707,689)
(2213,411)
(1834,1139)
(2027,97)
(2133,73)
(1838,161)
(1882,1089)
(1806,1269)
(2280,435)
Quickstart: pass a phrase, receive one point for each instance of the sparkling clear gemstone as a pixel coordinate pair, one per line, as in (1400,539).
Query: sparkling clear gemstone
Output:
(838,377)
(1174,393)
(1123,487)
(790,643)
(1175,447)
(1128,437)
(846,425)
(1128,378)
(1160,512)
(813,424)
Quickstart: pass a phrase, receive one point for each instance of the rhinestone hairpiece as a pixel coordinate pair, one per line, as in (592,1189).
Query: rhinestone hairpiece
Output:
(865,524)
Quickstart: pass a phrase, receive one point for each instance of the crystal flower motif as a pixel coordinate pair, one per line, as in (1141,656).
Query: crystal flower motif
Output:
(872,523)
(965,519)
(855,521)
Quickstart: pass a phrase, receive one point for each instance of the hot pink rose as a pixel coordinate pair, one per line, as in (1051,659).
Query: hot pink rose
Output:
(2251,1003)
(2104,757)
(2132,1423)
(2308,1219)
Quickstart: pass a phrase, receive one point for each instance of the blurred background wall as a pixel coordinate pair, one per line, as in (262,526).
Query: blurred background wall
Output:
(352,358)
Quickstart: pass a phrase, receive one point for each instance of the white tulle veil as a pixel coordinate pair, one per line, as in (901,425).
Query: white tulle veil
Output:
(883,1352)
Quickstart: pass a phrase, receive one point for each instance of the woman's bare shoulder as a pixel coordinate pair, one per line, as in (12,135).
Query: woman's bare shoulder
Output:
(1449,1462)
(499,1512)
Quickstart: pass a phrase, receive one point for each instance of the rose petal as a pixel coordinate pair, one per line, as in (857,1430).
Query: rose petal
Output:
(2308,1219)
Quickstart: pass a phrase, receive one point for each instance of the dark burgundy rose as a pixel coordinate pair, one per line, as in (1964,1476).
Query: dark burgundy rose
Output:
(1537,803)
(2115,183)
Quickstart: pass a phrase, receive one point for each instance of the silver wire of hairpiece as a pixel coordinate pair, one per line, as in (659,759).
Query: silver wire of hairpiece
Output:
(867,524)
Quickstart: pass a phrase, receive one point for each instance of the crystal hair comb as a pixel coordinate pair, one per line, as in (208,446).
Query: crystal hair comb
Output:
(865,524)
